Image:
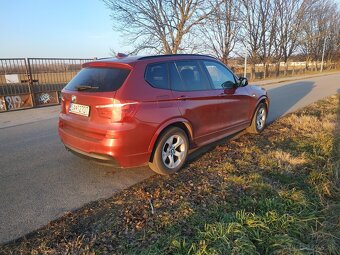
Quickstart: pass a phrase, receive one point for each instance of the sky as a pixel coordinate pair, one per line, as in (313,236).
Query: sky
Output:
(57,28)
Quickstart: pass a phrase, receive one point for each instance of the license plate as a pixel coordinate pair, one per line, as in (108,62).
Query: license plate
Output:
(80,109)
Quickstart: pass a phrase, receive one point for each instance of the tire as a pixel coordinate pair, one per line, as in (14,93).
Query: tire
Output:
(170,152)
(258,123)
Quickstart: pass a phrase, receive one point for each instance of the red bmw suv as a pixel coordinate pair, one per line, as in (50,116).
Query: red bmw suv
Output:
(137,110)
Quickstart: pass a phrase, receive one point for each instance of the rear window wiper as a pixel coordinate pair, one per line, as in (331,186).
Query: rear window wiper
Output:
(85,87)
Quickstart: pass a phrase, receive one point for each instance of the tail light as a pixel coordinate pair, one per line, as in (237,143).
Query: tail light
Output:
(117,111)
(63,105)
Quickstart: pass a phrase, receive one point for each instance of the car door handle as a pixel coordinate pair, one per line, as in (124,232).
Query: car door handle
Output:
(222,94)
(182,97)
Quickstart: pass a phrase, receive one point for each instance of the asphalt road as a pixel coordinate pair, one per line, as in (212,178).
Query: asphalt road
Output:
(40,180)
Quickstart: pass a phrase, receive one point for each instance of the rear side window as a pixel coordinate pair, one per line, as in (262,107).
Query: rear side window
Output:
(157,75)
(100,79)
(176,81)
(192,76)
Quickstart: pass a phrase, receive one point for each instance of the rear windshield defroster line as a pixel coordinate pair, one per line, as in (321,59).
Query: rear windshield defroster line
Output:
(98,79)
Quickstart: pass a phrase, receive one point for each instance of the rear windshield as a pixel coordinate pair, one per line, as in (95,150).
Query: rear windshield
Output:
(98,79)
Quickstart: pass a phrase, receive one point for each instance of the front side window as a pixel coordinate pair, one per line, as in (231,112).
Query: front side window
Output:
(220,76)
(157,75)
(191,75)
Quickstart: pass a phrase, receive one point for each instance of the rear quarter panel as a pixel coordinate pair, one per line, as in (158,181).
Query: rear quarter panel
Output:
(155,108)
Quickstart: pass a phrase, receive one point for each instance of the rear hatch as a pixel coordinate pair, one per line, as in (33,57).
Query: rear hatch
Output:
(89,96)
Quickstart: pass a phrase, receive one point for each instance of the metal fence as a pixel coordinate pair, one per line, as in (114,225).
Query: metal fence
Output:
(26,83)
(31,82)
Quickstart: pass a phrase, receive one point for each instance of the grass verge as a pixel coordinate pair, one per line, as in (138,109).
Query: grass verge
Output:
(276,193)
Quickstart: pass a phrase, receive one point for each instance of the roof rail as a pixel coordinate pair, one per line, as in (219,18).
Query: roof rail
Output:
(171,55)
(103,58)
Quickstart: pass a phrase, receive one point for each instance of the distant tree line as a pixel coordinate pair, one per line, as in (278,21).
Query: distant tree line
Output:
(270,31)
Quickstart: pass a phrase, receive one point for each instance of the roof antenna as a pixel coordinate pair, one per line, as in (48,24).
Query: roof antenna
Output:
(121,55)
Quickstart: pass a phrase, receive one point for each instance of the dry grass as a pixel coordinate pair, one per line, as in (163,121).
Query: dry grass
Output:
(276,193)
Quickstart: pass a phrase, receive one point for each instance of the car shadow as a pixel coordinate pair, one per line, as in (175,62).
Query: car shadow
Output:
(336,140)
(284,98)
(197,152)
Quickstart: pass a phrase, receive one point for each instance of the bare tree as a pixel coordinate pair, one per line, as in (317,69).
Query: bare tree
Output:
(332,39)
(319,22)
(289,20)
(161,26)
(270,30)
(252,31)
(259,31)
(273,30)
(268,22)
(222,28)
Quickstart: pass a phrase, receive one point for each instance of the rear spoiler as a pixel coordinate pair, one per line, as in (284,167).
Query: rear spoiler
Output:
(108,64)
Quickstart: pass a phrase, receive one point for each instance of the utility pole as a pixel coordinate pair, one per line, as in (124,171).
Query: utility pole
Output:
(245,62)
(323,54)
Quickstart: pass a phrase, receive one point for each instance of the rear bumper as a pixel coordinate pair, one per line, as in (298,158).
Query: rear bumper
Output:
(93,156)
(110,146)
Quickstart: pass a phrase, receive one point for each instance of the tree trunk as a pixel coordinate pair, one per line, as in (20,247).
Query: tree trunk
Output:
(252,74)
(225,60)
(264,70)
(286,68)
(277,71)
(307,64)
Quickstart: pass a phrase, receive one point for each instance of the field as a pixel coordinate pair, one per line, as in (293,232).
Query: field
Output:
(44,78)
(293,69)
(275,193)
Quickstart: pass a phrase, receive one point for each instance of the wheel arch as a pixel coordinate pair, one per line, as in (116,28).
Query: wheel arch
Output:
(180,123)
(262,99)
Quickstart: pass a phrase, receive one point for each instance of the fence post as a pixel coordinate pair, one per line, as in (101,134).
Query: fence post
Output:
(30,82)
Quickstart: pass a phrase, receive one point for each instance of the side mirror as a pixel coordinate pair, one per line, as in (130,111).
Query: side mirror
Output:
(228,85)
(243,81)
